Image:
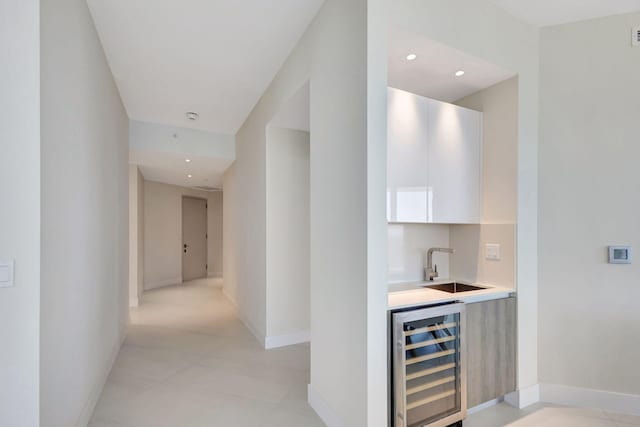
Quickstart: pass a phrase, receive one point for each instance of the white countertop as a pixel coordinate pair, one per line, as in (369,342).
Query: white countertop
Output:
(404,295)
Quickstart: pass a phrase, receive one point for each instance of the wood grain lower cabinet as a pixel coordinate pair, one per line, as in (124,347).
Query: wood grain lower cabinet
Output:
(491,350)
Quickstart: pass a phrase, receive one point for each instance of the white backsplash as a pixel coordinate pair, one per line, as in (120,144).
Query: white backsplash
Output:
(407,244)
(469,262)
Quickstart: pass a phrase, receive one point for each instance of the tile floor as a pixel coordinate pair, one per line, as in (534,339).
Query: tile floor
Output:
(545,415)
(188,361)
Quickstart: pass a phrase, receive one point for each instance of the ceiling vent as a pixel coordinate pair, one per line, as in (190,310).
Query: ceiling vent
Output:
(205,188)
(635,36)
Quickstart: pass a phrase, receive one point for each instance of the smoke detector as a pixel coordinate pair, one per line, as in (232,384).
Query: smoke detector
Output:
(635,36)
(192,116)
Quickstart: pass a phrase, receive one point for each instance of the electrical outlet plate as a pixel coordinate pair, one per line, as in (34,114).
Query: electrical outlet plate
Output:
(492,251)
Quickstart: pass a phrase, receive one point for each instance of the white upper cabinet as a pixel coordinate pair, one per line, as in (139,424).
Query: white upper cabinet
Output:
(434,161)
(407,158)
(455,164)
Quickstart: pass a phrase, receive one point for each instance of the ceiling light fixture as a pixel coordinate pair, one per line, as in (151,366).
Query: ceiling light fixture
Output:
(411,56)
(192,116)
(459,73)
(187,160)
(189,176)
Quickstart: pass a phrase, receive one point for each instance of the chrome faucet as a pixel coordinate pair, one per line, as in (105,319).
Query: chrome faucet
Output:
(431,271)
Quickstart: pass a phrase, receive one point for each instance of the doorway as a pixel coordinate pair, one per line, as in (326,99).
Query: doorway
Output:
(194,238)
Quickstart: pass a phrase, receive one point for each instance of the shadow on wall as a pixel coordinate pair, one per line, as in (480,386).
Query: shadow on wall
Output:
(288,227)
(470,262)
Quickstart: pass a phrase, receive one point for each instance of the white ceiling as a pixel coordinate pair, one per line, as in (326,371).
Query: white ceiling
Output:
(432,74)
(214,57)
(171,168)
(161,151)
(552,12)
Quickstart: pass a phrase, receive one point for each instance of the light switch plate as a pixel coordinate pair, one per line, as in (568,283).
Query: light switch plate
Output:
(492,251)
(6,274)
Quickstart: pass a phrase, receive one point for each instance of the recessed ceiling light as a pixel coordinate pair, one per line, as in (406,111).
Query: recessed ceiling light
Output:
(411,56)
(187,160)
(192,116)
(459,73)
(189,176)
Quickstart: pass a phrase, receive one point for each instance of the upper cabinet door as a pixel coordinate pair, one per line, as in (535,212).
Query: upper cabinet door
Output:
(407,157)
(454,164)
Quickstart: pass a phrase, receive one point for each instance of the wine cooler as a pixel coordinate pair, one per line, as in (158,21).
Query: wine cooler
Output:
(428,372)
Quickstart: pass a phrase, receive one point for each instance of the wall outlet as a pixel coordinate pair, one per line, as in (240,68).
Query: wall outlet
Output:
(492,251)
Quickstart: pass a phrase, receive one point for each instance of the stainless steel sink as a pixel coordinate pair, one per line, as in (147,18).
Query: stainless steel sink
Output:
(454,287)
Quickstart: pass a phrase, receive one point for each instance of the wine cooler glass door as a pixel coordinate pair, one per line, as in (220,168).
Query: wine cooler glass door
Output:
(428,370)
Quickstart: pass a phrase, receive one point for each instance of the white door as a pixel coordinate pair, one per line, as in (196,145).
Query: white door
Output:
(407,175)
(194,238)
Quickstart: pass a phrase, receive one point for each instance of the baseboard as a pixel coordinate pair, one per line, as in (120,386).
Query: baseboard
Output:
(228,297)
(162,283)
(524,397)
(588,398)
(322,408)
(276,341)
(244,320)
(96,391)
(252,329)
(484,405)
(271,341)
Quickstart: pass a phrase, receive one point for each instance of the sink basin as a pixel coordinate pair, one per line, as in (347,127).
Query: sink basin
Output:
(454,287)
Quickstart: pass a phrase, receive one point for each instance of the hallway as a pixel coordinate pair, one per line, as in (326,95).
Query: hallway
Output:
(188,361)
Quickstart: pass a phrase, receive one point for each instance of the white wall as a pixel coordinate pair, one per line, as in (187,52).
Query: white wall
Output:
(20,212)
(348,294)
(163,232)
(84,144)
(469,261)
(499,104)
(512,45)
(589,198)
(288,284)
(231,257)
(136,235)
(215,230)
